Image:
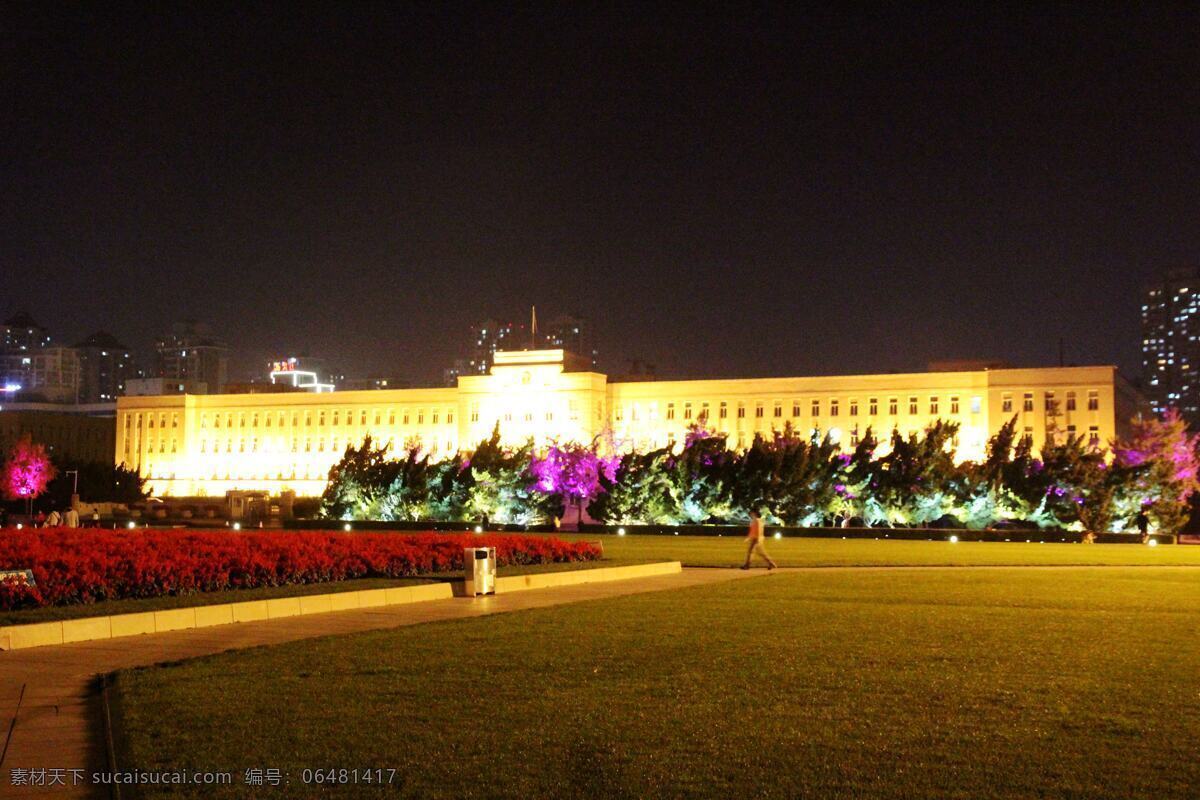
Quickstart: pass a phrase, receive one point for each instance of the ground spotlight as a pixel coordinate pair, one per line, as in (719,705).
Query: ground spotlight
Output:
(479,529)
(131,524)
(620,531)
(953,539)
(778,535)
(1152,543)
(237,526)
(346,527)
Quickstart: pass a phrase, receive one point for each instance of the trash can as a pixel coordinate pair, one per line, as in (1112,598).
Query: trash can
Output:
(480,566)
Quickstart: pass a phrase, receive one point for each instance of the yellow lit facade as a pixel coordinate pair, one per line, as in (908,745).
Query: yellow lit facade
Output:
(192,445)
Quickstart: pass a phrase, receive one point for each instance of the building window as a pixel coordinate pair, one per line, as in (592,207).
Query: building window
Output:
(723,410)
(795,408)
(687,410)
(953,405)
(421,416)
(704,411)
(1050,403)
(741,411)
(391,416)
(778,411)
(336,420)
(893,406)
(816,408)
(175,420)
(1094,436)
(670,411)
(758,410)
(1027,403)
(976,404)
(434,417)
(321,419)
(1070,401)
(404,415)
(833,408)
(1006,404)
(633,413)
(873,406)
(619,412)
(912,405)
(1093,400)
(449,416)
(377,417)
(854,436)
(362,417)
(933,405)
(854,408)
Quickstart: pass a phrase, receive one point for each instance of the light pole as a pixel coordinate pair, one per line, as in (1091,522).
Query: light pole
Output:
(75,486)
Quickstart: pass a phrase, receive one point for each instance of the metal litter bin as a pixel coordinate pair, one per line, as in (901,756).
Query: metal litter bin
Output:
(480,566)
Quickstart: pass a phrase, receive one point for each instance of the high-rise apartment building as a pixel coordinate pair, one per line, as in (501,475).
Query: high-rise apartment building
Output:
(20,339)
(570,333)
(1171,343)
(104,366)
(190,353)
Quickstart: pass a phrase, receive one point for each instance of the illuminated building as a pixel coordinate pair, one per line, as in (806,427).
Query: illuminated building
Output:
(20,339)
(190,353)
(570,333)
(105,366)
(1170,344)
(207,444)
(306,374)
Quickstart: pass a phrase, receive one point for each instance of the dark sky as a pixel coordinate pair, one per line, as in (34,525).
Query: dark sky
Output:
(724,192)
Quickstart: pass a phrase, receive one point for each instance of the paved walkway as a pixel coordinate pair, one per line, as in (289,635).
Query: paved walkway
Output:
(51,702)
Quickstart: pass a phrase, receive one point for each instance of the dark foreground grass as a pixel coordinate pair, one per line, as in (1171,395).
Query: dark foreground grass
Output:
(724,551)
(955,683)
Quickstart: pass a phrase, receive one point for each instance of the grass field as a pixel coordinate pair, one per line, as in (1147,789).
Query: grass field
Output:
(940,683)
(713,551)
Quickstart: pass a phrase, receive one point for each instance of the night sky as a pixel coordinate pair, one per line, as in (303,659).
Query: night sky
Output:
(723,192)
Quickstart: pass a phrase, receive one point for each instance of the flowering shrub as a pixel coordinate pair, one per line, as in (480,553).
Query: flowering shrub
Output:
(88,566)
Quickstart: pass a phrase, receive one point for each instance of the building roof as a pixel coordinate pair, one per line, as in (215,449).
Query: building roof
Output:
(21,319)
(102,339)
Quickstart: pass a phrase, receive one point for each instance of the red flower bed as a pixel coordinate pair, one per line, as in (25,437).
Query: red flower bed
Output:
(72,565)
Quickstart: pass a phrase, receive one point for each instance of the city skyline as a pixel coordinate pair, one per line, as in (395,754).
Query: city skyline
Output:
(821,213)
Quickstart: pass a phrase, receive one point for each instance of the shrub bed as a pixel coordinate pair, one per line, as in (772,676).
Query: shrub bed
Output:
(87,566)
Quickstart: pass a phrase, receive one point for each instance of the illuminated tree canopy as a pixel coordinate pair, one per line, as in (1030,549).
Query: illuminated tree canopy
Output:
(911,480)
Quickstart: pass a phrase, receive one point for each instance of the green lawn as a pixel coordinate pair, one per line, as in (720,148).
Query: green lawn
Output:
(941,683)
(724,551)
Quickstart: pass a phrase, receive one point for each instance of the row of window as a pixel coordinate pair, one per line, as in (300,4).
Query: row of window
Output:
(1050,402)
(280,419)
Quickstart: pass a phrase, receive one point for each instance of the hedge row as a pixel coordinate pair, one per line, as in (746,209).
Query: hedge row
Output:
(88,566)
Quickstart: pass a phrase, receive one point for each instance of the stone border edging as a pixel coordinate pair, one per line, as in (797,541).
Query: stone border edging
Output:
(574,577)
(85,629)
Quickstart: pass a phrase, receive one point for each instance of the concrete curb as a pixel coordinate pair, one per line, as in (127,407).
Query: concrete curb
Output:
(546,580)
(87,629)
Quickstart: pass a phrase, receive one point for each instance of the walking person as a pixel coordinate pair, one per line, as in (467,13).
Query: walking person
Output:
(71,517)
(754,541)
(1143,525)
(54,520)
